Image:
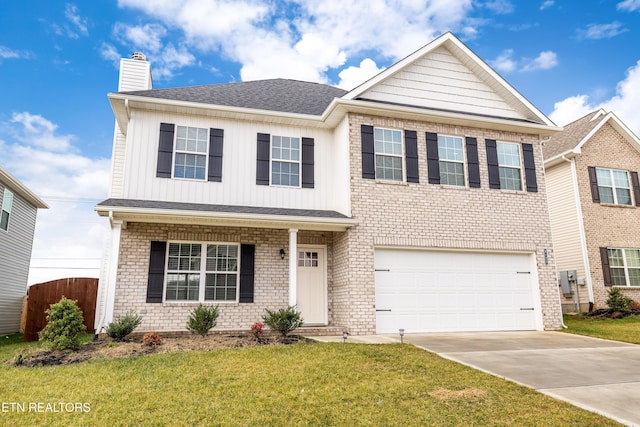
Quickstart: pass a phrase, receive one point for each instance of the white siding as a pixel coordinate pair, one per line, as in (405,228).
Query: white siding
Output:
(340,169)
(563,213)
(134,75)
(439,80)
(117,163)
(238,186)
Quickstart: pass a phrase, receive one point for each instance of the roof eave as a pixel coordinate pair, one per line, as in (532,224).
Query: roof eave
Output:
(560,158)
(22,190)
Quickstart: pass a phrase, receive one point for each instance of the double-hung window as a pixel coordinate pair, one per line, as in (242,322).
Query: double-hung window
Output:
(388,154)
(202,272)
(624,265)
(285,161)
(191,153)
(509,166)
(7,202)
(613,186)
(451,155)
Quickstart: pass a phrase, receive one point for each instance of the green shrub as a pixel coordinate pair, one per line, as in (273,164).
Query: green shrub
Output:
(284,320)
(202,319)
(123,326)
(65,324)
(617,301)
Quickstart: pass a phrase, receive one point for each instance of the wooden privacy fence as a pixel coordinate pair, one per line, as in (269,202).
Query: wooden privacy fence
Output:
(42,295)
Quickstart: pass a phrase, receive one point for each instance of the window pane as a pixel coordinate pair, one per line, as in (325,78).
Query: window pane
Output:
(451,173)
(615,258)
(510,179)
(508,154)
(604,177)
(633,257)
(4,220)
(623,195)
(620,179)
(388,141)
(606,194)
(617,277)
(634,277)
(450,148)
(7,200)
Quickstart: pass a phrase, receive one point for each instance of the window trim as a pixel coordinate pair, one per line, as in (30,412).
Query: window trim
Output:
(298,162)
(624,267)
(519,168)
(185,151)
(614,187)
(7,199)
(202,272)
(401,156)
(463,162)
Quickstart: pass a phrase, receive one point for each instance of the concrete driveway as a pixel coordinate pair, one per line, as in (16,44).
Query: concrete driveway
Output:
(599,375)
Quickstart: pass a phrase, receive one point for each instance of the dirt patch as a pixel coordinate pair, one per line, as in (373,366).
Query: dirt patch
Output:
(105,348)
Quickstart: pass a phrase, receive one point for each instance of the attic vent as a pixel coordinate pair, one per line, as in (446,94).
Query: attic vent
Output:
(139,56)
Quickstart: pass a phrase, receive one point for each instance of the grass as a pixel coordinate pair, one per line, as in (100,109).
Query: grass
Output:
(304,384)
(626,329)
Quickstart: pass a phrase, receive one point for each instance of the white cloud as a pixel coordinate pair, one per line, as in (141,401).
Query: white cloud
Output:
(7,53)
(544,61)
(546,4)
(110,53)
(502,7)
(170,60)
(352,77)
(146,37)
(602,31)
(69,233)
(79,22)
(504,62)
(629,5)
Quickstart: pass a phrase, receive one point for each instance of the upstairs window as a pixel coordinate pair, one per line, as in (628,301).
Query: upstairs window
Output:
(7,202)
(285,161)
(388,154)
(451,160)
(624,265)
(191,153)
(509,166)
(613,186)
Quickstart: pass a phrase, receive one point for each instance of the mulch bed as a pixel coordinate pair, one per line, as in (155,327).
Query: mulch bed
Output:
(106,348)
(607,313)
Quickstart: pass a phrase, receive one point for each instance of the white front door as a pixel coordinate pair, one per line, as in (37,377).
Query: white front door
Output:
(312,284)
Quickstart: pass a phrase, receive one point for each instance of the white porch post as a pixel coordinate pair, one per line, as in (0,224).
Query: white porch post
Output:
(293,265)
(116,229)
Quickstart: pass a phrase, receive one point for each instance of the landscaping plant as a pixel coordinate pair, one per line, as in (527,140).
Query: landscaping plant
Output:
(617,301)
(257,330)
(151,339)
(65,324)
(284,320)
(202,319)
(123,326)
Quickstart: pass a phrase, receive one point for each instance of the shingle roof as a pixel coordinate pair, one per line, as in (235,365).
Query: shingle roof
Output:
(571,136)
(199,207)
(290,96)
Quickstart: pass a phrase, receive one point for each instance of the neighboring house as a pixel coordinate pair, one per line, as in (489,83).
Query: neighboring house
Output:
(592,178)
(18,209)
(417,201)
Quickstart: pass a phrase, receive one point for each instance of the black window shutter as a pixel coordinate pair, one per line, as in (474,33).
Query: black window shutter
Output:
(308,168)
(368,152)
(155,281)
(529,168)
(165,150)
(593,180)
(636,187)
(472,162)
(492,163)
(433,160)
(606,270)
(247,262)
(411,151)
(262,161)
(216,137)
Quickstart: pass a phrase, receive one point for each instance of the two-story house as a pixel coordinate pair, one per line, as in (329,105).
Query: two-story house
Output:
(416,201)
(18,209)
(592,176)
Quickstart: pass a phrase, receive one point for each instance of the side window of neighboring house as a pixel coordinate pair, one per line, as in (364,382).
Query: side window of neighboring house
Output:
(613,186)
(7,202)
(190,153)
(506,164)
(620,267)
(285,161)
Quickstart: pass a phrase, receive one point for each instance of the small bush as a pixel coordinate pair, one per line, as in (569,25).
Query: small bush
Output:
(151,339)
(284,320)
(123,326)
(202,319)
(617,301)
(65,324)
(257,329)
(634,306)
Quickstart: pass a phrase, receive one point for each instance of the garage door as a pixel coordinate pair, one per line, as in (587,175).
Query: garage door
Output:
(436,291)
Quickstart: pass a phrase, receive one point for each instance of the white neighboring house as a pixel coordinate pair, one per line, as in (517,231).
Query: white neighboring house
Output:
(18,209)
(417,201)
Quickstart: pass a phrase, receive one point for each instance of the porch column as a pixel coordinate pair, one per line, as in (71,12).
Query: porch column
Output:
(112,274)
(293,265)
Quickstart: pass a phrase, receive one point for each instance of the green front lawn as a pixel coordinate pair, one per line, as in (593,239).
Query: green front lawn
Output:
(303,384)
(626,329)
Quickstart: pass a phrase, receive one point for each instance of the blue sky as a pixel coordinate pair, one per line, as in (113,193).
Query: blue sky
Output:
(59,60)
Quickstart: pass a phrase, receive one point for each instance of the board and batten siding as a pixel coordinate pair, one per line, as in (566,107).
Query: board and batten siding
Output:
(563,213)
(15,256)
(238,186)
(439,80)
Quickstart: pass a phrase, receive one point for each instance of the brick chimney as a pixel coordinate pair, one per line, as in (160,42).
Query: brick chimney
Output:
(135,73)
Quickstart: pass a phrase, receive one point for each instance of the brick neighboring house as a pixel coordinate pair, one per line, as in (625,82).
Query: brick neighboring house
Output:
(417,200)
(592,180)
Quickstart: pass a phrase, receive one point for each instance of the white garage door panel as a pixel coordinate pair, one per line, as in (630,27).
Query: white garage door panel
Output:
(427,291)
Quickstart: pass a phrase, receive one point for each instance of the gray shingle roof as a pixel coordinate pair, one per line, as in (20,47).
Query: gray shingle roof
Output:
(289,96)
(571,136)
(154,204)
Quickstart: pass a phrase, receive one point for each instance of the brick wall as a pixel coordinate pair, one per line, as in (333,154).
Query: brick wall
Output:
(436,216)
(607,225)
